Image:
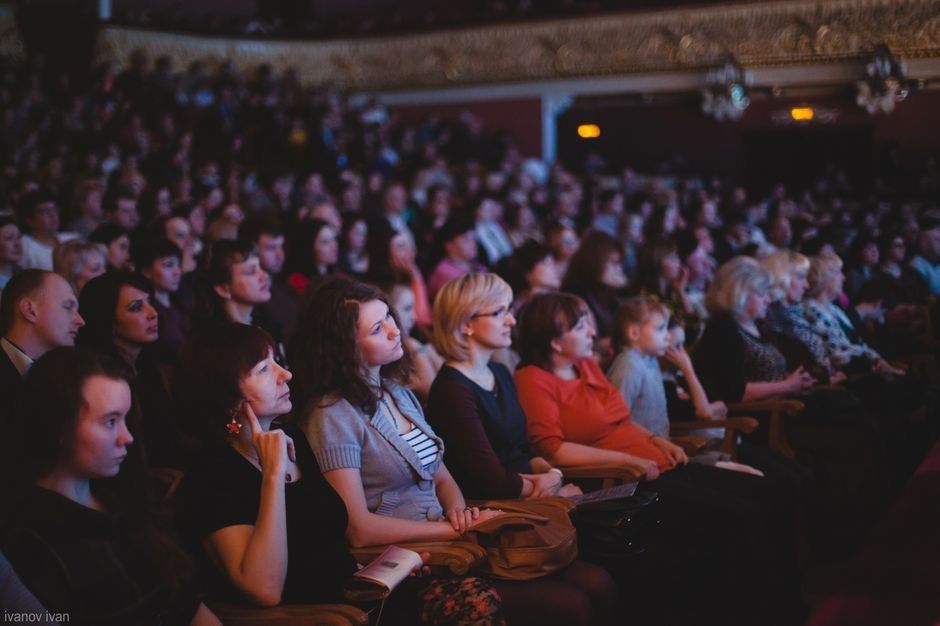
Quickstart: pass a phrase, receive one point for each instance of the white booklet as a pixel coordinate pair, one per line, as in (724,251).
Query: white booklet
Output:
(376,580)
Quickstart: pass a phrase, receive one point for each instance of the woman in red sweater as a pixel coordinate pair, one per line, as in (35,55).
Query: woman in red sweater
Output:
(742,525)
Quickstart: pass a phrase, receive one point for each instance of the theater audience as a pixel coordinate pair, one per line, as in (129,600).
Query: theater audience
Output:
(576,417)
(376,450)
(83,535)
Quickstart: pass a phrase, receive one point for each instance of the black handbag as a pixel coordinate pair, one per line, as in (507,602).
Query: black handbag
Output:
(615,529)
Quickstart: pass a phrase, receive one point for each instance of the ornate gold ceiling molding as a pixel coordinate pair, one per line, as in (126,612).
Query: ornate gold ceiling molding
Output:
(759,34)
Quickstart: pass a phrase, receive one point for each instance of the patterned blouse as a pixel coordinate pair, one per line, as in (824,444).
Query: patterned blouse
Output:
(762,361)
(836,330)
(789,320)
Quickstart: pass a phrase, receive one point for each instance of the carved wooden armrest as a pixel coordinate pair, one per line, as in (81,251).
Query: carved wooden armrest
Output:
(609,475)
(290,615)
(776,409)
(731,426)
(457,556)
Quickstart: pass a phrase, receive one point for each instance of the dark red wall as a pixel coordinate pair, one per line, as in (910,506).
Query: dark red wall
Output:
(522,118)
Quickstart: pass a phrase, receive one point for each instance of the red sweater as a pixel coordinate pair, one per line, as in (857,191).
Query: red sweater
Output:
(587,410)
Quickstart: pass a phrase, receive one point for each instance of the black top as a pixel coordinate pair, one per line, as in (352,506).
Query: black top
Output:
(224,489)
(485,440)
(727,358)
(86,563)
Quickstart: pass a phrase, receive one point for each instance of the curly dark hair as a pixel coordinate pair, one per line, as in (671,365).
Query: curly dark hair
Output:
(324,355)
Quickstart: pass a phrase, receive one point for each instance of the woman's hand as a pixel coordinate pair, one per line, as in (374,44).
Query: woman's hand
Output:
(644,467)
(544,485)
(714,411)
(275,449)
(799,381)
(837,377)
(569,491)
(462,518)
(675,454)
(485,514)
(883,367)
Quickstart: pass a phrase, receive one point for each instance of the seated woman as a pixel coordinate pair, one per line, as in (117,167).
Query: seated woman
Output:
(120,321)
(427,362)
(848,350)
(595,274)
(473,404)
(576,417)
(313,253)
(264,524)
(82,533)
(373,445)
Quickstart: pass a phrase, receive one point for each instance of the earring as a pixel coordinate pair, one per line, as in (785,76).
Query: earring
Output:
(233,427)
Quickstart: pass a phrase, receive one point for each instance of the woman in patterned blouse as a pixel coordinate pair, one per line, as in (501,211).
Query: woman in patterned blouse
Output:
(846,347)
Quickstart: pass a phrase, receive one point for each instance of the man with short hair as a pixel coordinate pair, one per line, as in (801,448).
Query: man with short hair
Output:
(121,209)
(38,312)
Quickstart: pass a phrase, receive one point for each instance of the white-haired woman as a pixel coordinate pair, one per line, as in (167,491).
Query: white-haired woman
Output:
(846,347)
(736,362)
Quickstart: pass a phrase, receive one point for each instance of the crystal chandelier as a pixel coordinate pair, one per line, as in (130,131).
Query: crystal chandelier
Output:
(725,96)
(885,83)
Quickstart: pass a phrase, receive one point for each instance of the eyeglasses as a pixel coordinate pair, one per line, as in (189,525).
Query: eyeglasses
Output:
(499,314)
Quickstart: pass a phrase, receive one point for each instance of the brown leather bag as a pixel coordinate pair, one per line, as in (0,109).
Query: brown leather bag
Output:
(531,539)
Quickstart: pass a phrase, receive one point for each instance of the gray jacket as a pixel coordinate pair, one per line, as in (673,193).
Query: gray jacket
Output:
(394,482)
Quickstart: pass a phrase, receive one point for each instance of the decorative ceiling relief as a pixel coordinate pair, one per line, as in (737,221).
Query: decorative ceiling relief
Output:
(759,34)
